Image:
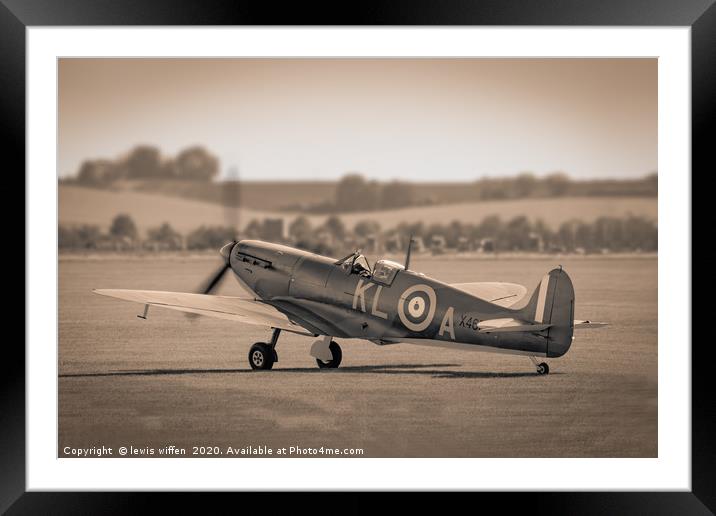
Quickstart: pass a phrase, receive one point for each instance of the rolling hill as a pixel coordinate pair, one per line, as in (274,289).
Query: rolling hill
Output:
(80,205)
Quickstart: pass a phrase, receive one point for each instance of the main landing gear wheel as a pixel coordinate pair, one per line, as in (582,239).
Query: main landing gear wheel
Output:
(261,356)
(337,356)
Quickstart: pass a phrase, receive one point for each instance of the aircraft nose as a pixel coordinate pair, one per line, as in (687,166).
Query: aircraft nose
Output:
(225,251)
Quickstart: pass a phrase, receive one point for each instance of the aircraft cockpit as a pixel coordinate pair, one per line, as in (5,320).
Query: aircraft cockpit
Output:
(355,263)
(384,271)
(361,266)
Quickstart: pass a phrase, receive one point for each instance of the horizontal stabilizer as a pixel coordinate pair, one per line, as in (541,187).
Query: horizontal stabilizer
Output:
(579,325)
(509,324)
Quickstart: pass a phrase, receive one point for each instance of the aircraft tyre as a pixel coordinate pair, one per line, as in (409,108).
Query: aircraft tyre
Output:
(261,356)
(337,356)
(543,368)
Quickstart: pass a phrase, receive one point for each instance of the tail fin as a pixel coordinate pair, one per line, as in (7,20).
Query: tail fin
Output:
(552,303)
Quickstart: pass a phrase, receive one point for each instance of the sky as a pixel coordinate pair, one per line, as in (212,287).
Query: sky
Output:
(409,119)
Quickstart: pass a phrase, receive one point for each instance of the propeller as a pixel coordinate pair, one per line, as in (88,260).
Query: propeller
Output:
(230,200)
(215,279)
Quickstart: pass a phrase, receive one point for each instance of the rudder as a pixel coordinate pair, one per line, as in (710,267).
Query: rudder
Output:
(552,303)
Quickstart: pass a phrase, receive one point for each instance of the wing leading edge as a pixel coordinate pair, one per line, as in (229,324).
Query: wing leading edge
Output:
(246,310)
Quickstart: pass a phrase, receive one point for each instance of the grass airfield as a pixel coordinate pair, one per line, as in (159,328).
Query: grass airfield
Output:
(170,380)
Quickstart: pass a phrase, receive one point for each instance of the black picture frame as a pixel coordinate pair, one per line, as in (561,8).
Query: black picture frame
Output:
(700,15)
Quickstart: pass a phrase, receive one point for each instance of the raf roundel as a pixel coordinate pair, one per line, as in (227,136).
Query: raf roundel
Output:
(416,307)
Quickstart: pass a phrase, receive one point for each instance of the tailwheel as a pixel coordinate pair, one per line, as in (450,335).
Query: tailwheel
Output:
(542,367)
(261,356)
(335,361)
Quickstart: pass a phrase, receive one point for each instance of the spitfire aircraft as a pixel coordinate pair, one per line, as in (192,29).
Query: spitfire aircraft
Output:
(307,294)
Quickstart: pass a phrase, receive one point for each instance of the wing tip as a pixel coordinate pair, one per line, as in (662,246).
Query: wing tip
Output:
(585,325)
(109,292)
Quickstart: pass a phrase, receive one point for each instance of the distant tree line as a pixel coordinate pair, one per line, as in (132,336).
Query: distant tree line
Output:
(146,162)
(122,236)
(354,193)
(614,234)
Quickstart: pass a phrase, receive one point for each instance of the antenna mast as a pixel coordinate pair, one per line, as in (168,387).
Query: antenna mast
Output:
(407,255)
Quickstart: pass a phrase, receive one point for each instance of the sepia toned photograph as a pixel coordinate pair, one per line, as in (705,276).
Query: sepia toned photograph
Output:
(357,257)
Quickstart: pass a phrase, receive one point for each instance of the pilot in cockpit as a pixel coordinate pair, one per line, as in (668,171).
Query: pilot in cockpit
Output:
(361,266)
(355,263)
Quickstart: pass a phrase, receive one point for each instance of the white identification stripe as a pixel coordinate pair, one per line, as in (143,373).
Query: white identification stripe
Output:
(541,298)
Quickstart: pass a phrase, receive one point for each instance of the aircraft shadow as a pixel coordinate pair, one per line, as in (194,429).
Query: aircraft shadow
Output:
(434,370)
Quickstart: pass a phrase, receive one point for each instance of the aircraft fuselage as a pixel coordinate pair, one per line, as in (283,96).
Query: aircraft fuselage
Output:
(391,305)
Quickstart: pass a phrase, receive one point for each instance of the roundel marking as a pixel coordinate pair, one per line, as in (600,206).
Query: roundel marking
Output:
(416,307)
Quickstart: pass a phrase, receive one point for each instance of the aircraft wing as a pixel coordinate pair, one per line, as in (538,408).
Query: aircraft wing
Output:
(578,325)
(246,310)
(502,294)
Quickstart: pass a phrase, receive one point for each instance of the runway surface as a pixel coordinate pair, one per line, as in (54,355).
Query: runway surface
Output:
(174,381)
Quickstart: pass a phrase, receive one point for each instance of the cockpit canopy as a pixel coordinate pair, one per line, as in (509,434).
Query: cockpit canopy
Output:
(355,263)
(360,264)
(384,271)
